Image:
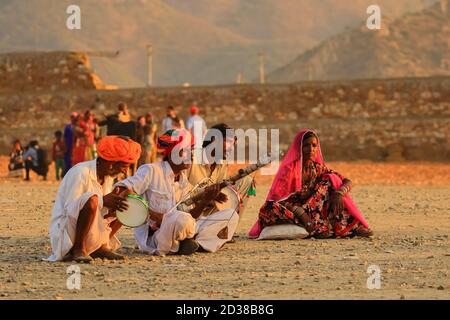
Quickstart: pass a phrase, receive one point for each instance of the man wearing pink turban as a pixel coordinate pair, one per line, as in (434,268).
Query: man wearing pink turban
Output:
(173,228)
(83,220)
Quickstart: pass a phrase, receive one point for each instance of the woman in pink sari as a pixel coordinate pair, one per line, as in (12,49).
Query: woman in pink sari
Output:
(307,193)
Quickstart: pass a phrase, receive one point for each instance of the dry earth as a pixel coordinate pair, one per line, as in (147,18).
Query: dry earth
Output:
(407,205)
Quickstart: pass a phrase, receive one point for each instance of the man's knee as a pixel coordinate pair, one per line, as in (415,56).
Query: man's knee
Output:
(228,213)
(184,220)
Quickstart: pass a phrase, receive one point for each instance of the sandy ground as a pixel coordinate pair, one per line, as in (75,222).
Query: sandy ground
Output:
(407,205)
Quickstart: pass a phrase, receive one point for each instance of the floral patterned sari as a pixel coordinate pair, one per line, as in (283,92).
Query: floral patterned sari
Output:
(310,187)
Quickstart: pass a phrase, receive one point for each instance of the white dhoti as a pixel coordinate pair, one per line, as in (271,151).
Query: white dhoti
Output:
(62,235)
(178,226)
(208,228)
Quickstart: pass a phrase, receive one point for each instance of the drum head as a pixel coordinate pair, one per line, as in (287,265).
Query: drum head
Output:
(136,214)
(233,201)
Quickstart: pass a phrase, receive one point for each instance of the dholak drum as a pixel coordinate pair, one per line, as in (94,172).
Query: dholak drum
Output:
(136,214)
(233,201)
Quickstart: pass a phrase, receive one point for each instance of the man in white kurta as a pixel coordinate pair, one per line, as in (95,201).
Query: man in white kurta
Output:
(206,167)
(86,188)
(77,187)
(156,184)
(163,185)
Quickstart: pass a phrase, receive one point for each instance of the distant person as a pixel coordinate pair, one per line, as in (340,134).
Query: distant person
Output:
(124,115)
(177,123)
(196,119)
(58,151)
(89,127)
(127,129)
(167,121)
(118,128)
(150,120)
(140,130)
(112,124)
(97,135)
(35,160)
(79,142)
(16,162)
(149,151)
(68,141)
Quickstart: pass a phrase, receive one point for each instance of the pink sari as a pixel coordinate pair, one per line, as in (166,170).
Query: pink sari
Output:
(289,180)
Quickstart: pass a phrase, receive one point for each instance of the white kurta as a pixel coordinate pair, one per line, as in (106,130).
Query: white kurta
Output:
(78,185)
(156,183)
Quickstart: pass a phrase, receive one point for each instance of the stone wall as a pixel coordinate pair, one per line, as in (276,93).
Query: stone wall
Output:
(381,120)
(44,71)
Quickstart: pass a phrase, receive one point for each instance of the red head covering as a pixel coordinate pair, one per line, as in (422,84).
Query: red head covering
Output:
(289,175)
(194,109)
(119,149)
(172,138)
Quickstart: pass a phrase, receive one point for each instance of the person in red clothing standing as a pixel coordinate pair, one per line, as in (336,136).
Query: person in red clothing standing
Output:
(59,148)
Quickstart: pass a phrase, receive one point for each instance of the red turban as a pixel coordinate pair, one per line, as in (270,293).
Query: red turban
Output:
(194,109)
(171,138)
(119,149)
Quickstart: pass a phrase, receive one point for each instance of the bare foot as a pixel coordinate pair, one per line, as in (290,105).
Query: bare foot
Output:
(103,253)
(364,232)
(81,257)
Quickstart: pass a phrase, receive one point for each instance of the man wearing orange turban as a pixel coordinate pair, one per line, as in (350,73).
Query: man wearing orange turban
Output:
(83,220)
(119,149)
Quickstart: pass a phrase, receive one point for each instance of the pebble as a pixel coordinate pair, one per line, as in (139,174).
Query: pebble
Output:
(440,288)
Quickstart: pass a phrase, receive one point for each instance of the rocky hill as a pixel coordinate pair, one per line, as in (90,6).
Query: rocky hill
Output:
(196,41)
(417,44)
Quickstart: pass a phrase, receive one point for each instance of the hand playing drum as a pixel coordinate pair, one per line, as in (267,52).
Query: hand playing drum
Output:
(115,202)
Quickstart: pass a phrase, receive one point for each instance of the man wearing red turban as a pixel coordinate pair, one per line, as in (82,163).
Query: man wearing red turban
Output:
(171,229)
(83,220)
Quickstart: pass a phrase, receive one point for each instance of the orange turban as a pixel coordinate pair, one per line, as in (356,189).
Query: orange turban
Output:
(119,149)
